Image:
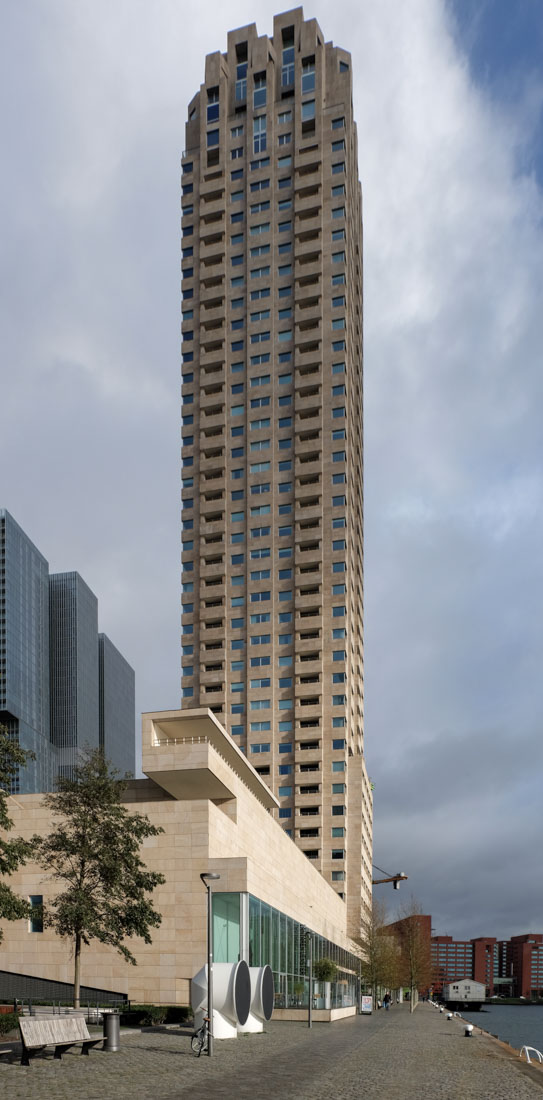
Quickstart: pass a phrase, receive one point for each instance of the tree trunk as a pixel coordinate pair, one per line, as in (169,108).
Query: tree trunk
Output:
(77,971)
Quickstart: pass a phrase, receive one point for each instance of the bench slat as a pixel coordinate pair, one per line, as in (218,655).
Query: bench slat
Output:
(41,1031)
(62,1033)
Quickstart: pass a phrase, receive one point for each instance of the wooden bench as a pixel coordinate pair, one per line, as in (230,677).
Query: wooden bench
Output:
(38,1032)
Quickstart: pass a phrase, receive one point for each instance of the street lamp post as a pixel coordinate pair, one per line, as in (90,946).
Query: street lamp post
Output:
(205,876)
(309,942)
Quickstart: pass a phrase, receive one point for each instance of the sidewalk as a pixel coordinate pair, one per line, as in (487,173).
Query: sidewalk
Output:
(388,1056)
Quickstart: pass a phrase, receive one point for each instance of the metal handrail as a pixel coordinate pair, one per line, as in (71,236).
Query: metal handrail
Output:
(201,740)
(525,1050)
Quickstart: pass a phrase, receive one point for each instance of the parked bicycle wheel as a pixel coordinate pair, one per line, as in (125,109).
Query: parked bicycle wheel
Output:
(197,1042)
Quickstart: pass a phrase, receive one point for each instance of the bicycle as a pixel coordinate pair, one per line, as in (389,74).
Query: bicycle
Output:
(199,1039)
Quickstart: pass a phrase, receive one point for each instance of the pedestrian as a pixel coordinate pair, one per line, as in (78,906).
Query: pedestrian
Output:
(386,1001)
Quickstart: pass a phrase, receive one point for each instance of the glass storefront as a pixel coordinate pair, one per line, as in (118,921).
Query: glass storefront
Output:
(226,927)
(245,927)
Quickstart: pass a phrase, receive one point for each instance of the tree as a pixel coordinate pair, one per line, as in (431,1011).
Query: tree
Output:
(93,851)
(324,970)
(413,930)
(380,961)
(16,851)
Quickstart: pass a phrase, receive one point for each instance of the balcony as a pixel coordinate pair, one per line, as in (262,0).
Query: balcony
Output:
(308,714)
(309,172)
(308,310)
(305,445)
(307,249)
(307,514)
(213,570)
(212,691)
(212,424)
(308,353)
(212,461)
(212,674)
(210,285)
(310,569)
(308,229)
(212,316)
(212,264)
(306,795)
(308,262)
(310,413)
(309,661)
(307,196)
(212,358)
(210,216)
(210,399)
(210,633)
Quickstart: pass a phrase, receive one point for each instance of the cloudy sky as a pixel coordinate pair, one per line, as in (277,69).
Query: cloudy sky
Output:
(448,99)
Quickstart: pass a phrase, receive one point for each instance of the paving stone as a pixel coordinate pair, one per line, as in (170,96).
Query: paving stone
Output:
(394,1055)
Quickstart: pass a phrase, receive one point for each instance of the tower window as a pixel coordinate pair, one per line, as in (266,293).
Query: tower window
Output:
(241,81)
(259,90)
(212,104)
(308,75)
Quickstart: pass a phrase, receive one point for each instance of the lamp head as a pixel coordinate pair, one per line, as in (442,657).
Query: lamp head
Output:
(208,875)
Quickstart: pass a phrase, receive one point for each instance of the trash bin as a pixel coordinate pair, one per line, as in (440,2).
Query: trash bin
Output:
(112,1031)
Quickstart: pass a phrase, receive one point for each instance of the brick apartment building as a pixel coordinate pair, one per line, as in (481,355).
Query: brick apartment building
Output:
(511,967)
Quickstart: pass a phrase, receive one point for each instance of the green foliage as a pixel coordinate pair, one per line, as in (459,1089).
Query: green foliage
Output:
(15,851)
(93,852)
(324,970)
(147,1015)
(155,1014)
(9,1021)
(178,1014)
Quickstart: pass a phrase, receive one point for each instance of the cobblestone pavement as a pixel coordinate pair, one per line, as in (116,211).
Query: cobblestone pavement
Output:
(388,1055)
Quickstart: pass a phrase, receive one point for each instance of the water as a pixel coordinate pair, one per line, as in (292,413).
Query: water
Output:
(516,1024)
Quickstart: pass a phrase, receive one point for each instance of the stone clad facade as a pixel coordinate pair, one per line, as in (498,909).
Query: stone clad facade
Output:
(216,813)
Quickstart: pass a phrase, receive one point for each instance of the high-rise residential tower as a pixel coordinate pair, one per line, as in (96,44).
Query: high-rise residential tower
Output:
(272,431)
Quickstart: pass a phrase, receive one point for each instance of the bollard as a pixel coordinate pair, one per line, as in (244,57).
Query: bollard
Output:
(449,1015)
(112,1031)
(441,1009)
(468,1031)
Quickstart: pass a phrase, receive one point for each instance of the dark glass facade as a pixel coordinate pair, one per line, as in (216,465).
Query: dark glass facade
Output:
(74,668)
(117,706)
(24,651)
(60,688)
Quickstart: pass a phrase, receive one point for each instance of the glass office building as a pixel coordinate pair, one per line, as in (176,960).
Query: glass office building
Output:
(117,706)
(74,668)
(60,687)
(24,652)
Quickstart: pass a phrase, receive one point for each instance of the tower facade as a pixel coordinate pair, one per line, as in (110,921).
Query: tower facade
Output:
(74,668)
(62,685)
(24,652)
(117,706)
(272,523)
